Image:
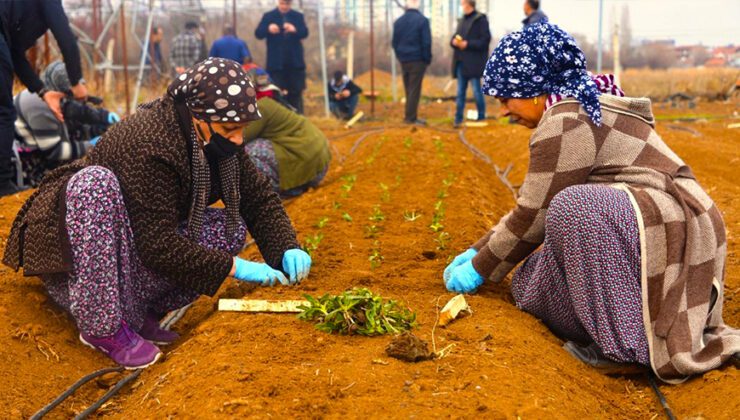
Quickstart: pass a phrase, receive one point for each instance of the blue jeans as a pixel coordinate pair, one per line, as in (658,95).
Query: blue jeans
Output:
(462,87)
(345,108)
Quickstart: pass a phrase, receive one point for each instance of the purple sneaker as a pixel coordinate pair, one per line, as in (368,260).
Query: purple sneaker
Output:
(125,347)
(151,331)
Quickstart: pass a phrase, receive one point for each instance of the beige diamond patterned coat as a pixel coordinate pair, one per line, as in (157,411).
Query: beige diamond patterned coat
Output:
(682,234)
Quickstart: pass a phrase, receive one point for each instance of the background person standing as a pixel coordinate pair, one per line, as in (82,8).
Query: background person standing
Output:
(533,12)
(231,47)
(185,49)
(284,29)
(412,42)
(471,52)
(22,22)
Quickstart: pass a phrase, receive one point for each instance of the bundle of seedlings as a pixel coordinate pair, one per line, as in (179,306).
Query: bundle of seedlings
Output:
(357,311)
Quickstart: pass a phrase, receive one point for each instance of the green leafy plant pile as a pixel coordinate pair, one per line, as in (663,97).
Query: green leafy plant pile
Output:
(357,311)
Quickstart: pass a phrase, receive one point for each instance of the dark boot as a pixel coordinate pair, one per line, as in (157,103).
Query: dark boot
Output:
(7,177)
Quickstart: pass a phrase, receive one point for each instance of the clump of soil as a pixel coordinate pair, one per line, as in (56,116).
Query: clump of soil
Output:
(409,348)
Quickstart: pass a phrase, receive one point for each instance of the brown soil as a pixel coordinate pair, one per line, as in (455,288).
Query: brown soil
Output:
(502,363)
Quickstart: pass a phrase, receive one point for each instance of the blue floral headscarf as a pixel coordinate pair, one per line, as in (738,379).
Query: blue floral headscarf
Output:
(542,58)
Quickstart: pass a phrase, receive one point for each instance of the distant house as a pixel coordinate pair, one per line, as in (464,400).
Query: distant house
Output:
(724,57)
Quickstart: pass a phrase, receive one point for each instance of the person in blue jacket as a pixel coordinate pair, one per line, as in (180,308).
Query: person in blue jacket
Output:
(284,29)
(412,42)
(231,47)
(22,22)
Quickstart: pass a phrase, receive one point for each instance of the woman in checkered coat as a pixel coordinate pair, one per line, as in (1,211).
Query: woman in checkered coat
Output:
(632,250)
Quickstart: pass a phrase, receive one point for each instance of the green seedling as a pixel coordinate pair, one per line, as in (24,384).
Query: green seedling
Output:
(357,311)
(442,240)
(322,222)
(375,258)
(346,217)
(442,193)
(385,195)
(312,243)
(337,205)
(411,216)
(436,226)
(377,215)
(371,231)
(407,142)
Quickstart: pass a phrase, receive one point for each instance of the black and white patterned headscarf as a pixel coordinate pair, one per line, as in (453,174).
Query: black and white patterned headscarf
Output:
(214,90)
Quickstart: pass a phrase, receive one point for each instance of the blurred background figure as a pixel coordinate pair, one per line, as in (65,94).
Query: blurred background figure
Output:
(287,148)
(412,42)
(343,95)
(470,43)
(284,29)
(155,58)
(231,47)
(44,141)
(21,24)
(185,49)
(533,12)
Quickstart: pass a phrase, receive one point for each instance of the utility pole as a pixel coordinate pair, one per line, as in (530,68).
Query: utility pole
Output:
(600,47)
(394,89)
(617,68)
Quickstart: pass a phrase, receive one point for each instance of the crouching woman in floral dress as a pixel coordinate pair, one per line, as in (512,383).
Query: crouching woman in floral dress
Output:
(124,235)
(632,250)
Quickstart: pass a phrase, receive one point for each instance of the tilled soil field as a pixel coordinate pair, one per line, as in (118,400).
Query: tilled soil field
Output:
(502,363)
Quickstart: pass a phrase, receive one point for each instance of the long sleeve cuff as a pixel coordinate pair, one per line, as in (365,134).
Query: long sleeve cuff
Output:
(482,241)
(489,266)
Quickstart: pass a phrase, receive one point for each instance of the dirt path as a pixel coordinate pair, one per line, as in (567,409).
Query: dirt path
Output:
(503,364)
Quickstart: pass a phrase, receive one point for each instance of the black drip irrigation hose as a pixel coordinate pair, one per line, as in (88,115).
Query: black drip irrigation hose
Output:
(113,391)
(661,397)
(85,379)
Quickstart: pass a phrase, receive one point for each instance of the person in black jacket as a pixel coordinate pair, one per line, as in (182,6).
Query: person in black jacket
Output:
(284,29)
(22,22)
(412,42)
(343,95)
(533,13)
(470,43)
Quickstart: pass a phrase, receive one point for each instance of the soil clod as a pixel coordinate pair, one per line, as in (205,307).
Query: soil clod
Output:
(409,348)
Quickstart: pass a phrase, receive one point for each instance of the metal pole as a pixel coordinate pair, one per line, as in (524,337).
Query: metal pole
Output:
(124,50)
(372,60)
(394,88)
(233,16)
(96,34)
(322,45)
(600,47)
(144,51)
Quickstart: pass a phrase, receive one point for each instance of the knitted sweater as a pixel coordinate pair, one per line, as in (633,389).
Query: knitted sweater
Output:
(682,235)
(150,157)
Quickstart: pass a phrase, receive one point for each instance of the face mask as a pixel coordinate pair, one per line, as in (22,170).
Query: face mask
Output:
(218,146)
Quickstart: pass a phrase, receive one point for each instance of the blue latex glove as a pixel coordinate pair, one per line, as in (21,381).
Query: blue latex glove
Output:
(459,260)
(464,279)
(94,140)
(257,273)
(113,118)
(297,263)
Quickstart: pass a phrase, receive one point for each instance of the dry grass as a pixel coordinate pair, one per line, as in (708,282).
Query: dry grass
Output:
(708,83)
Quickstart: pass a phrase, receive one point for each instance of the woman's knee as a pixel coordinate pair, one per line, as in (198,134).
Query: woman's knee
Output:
(92,182)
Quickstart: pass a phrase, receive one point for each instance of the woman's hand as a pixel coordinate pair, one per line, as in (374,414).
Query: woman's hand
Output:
(459,260)
(297,263)
(262,273)
(464,279)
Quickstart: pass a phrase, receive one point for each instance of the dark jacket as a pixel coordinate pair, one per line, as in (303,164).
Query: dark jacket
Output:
(474,29)
(333,90)
(284,50)
(23,22)
(412,37)
(151,159)
(536,16)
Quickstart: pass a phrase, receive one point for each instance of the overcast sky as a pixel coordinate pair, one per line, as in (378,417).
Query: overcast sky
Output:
(709,22)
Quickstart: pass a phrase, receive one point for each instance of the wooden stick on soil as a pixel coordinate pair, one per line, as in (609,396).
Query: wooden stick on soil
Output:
(244,305)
